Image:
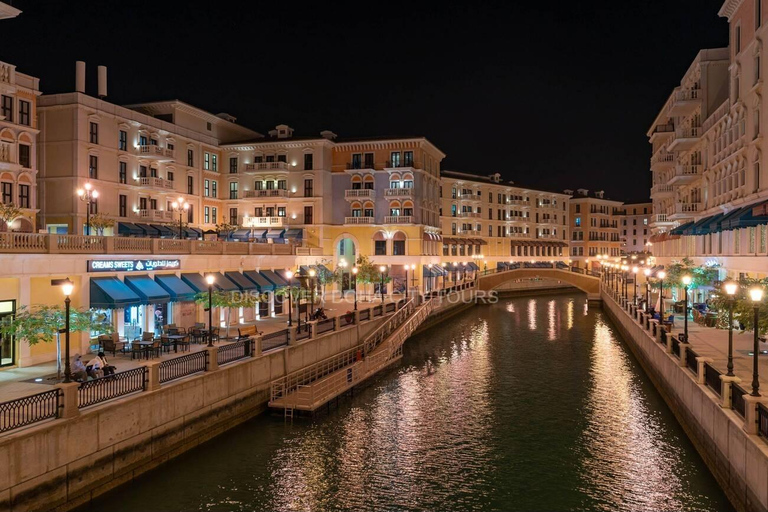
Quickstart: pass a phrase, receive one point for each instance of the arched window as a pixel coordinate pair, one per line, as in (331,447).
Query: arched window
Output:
(368,209)
(357,210)
(398,244)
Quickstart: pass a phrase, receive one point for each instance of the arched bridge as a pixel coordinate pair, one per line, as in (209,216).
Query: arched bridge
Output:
(588,283)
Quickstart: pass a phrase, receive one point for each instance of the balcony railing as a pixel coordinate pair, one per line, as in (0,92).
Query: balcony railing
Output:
(148,181)
(157,152)
(398,219)
(663,129)
(353,166)
(687,207)
(161,215)
(662,158)
(693,132)
(467,195)
(358,220)
(359,192)
(515,234)
(473,215)
(266,166)
(398,192)
(688,170)
(263,222)
(661,189)
(548,236)
(33,243)
(660,218)
(397,165)
(278,192)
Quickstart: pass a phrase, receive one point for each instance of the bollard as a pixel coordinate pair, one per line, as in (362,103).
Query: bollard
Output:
(213,360)
(750,412)
(69,400)
(313,329)
(292,335)
(153,375)
(700,366)
(682,361)
(256,347)
(726,390)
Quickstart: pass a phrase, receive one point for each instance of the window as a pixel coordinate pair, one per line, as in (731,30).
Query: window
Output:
(281,158)
(398,247)
(233,219)
(214,165)
(368,212)
(191,214)
(395,159)
(380,248)
(24,156)
(142,140)
(190,158)
(233,190)
(737,39)
(758,13)
(24,113)
(308,215)
(207,215)
(369,160)
(207,188)
(214,214)
(578,221)
(23,196)
(190,185)
(408,158)
(756,114)
(233,165)
(282,185)
(757,68)
(270,185)
(208,126)
(94,133)
(7,193)
(357,212)
(153,142)
(93,167)
(153,204)
(123,172)
(153,172)
(6,107)
(757,175)
(578,208)
(281,211)
(308,163)
(207,161)
(94,206)
(122,141)
(258,185)
(214,188)
(356,161)
(169,175)
(170,146)
(122,205)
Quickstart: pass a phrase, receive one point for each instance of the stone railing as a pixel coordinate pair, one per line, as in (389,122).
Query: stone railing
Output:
(359,192)
(358,220)
(398,219)
(33,243)
(266,166)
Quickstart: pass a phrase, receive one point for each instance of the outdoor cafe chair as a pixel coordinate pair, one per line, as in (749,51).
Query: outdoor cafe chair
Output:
(137,351)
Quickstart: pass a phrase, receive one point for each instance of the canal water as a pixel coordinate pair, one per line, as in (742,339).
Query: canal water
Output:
(526,404)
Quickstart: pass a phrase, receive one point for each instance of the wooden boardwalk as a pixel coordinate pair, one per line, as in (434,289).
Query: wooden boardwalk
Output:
(312,387)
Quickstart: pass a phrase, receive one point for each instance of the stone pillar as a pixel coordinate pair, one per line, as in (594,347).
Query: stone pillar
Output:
(700,363)
(726,390)
(668,349)
(153,375)
(313,329)
(681,362)
(750,412)
(213,361)
(292,335)
(69,400)
(256,347)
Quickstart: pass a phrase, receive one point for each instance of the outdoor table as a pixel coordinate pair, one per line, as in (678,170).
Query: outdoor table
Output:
(175,338)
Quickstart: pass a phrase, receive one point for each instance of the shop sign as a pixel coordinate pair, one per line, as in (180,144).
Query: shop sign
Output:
(132,265)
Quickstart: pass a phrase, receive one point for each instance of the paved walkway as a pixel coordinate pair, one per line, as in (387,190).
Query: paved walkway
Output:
(20,382)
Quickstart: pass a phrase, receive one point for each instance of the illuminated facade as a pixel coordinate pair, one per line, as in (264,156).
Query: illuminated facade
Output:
(595,227)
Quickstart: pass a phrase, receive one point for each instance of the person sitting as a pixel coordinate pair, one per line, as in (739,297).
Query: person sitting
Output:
(78,369)
(99,366)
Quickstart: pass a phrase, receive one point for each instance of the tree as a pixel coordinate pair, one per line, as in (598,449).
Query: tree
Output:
(743,307)
(100,222)
(41,324)
(225,229)
(8,213)
(324,275)
(230,300)
(700,275)
(367,272)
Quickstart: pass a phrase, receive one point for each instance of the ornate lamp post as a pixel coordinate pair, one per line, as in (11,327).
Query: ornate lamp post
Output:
(413,276)
(289,277)
(210,279)
(343,265)
(661,275)
(730,290)
(88,195)
(180,206)
(647,273)
(686,284)
(756,294)
(312,275)
(382,269)
(354,284)
(635,270)
(406,281)
(67,287)
(444,272)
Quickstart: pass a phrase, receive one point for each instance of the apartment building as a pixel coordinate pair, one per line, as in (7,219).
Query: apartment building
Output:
(501,221)
(635,227)
(595,226)
(18,145)
(139,159)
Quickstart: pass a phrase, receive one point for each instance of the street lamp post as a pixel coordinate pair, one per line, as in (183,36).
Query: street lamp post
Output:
(756,294)
(406,282)
(289,276)
(382,269)
(180,206)
(312,275)
(686,284)
(635,270)
(354,284)
(210,279)
(730,290)
(647,273)
(88,195)
(67,288)
(413,276)
(661,275)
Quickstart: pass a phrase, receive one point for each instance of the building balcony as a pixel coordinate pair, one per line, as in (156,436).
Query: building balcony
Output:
(398,192)
(358,220)
(662,160)
(662,191)
(471,232)
(685,138)
(685,173)
(263,222)
(399,165)
(684,102)
(548,236)
(685,210)
(468,215)
(398,219)
(157,215)
(518,202)
(359,193)
(661,219)
(265,166)
(253,194)
(662,131)
(468,196)
(360,166)
(158,183)
(550,206)
(515,234)
(154,152)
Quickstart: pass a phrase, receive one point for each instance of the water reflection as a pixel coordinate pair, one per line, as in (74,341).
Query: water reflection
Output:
(482,414)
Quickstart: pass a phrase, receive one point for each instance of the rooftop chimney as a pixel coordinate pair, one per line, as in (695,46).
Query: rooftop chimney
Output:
(80,76)
(102,82)
(328,134)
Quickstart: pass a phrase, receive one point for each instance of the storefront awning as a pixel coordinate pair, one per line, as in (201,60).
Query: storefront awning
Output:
(129,229)
(275,233)
(747,218)
(176,288)
(726,219)
(273,278)
(165,231)
(195,281)
(679,229)
(148,230)
(449,241)
(429,271)
(482,242)
(222,283)
(241,281)
(146,288)
(193,234)
(323,268)
(472,265)
(258,234)
(112,293)
(261,282)
(294,234)
(242,235)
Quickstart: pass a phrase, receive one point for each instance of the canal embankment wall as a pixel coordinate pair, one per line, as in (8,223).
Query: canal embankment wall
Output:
(728,443)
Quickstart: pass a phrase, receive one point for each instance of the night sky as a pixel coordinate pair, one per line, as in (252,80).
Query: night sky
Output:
(549,95)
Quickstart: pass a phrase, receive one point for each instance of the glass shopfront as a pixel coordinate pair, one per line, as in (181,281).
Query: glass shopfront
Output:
(7,343)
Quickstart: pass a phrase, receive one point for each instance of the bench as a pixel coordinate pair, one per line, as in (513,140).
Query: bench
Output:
(247,332)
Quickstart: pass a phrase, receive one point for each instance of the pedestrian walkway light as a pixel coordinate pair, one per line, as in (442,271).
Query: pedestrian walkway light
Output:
(289,276)
(756,294)
(210,279)
(67,287)
(647,273)
(730,290)
(686,285)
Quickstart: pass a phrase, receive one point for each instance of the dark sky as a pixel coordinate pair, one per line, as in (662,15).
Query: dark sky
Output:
(550,94)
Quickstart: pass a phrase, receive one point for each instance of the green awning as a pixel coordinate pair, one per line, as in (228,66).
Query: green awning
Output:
(272,277)
(176,288)
(146,288)
(195,281)
(680,229)
(242,282)
(746,218)
(129,229)
(726,220)
(260,281)
(222,283)
(112,293)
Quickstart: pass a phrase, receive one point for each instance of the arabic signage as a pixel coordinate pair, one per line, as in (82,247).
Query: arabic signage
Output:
(132,265)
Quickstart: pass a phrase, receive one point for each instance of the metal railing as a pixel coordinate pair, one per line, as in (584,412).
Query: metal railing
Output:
(690,361)
(762,420)
(183,366)
(29,409)
(712,379)
(390,307)
(234,351)
(365,314)
(112,386)
(675,346)
(325,325)
(377,311)
(737,399)
(303,332)
(274,340)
